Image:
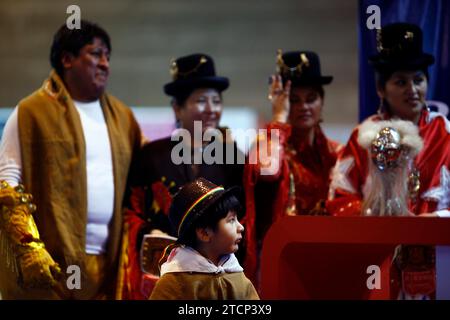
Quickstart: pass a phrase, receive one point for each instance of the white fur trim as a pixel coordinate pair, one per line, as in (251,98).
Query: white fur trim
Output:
(433,115)
(409,132)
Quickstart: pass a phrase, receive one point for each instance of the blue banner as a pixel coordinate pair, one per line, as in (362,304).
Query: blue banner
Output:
(433,16)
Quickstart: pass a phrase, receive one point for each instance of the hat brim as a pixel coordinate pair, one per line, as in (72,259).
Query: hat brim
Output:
(402,63)
(311,81)
(185,85)
(208,202)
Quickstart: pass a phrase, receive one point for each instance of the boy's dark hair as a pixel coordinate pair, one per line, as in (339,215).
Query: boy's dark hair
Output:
(210,219)
(71,41)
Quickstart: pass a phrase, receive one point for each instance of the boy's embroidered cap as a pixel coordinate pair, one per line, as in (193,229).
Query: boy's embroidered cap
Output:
(193,200)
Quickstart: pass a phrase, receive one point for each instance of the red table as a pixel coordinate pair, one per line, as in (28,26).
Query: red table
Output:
(306,257)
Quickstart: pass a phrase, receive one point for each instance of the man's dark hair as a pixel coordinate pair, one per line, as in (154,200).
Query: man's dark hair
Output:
(210,219)
(71,41)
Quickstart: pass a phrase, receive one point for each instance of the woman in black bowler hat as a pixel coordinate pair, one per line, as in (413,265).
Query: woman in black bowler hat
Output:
(305,157)
(196,98)
(401,73)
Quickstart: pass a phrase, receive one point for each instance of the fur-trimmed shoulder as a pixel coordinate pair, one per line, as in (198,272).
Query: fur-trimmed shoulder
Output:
(409,133)
(436,116)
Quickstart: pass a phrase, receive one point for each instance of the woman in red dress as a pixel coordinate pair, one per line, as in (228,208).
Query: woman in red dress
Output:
(304,155)
(401,69)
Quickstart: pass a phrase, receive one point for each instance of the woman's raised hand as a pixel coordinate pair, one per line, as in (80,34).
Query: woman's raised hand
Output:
(279,97)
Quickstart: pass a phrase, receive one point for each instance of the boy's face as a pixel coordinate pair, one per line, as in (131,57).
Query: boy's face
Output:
(226,238)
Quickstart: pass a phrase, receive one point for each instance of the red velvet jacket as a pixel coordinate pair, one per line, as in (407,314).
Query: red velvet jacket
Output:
(300,183)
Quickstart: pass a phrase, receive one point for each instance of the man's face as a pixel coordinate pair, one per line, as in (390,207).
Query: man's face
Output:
(88,72)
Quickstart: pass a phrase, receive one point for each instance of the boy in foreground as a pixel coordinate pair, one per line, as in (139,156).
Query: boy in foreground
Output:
(202,266)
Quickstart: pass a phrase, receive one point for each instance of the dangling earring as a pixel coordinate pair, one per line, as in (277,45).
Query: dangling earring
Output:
(381,107)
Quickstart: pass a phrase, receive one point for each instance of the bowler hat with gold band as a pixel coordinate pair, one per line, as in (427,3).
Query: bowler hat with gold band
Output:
(301,67)
(193,200)
(192,72)
(399,46)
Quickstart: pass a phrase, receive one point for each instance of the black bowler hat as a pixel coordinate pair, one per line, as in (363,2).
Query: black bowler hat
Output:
(192,72)
(399,47)
(301,67)
(193,200)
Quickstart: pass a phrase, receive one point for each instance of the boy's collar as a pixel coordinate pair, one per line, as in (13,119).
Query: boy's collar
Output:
(186,259)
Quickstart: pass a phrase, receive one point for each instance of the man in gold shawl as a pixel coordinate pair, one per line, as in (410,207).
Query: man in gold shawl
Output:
(64,160)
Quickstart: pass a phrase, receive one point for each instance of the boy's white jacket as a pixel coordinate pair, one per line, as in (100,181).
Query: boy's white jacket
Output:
(186,259)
